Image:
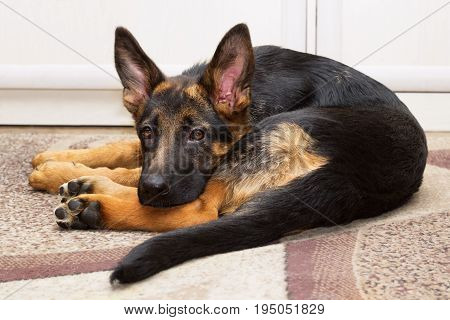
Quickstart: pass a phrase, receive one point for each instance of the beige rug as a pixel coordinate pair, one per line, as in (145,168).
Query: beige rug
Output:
(400,255)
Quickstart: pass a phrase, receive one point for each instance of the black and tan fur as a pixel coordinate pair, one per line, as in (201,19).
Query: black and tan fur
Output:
(268,139)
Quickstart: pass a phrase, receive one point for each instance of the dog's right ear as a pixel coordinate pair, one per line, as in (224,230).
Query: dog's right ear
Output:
(228,76)
(139,74)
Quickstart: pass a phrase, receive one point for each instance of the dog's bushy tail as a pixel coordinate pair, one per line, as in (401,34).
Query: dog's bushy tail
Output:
(320,198)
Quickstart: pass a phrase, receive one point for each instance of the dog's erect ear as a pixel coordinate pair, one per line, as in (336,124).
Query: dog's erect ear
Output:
(139,74)
(228,76)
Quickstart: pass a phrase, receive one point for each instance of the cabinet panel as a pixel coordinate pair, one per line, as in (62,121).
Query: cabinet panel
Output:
(404,44)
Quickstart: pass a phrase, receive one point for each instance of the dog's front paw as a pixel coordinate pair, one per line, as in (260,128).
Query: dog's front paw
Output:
(78,186)
(50,175)
(40,158)
(94,185)
(47,156)
(78,213)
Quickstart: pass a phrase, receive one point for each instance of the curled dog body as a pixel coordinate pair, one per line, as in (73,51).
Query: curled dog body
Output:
(254,144)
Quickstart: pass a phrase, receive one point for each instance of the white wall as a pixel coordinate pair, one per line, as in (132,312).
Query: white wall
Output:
(44,82)
(404,44)
(364,26)
(172,31)
(369,34)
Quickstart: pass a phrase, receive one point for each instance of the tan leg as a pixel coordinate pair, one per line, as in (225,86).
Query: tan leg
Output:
(49,176)
(122,210)
(122,154)
(96,185)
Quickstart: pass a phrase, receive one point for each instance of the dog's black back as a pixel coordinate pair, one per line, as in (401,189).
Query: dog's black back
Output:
(375,151)
(287,80)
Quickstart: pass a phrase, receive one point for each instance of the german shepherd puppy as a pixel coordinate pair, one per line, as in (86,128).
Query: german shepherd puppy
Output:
(269,139)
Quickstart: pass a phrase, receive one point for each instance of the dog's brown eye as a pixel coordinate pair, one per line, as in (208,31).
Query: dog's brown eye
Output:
(147,133)
(197,134)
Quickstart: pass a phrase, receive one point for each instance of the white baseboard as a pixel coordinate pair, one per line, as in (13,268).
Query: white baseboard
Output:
(63,107)
(86,95)
(67,77)
(432,110)
(89,77)
(104,108)
(410,78)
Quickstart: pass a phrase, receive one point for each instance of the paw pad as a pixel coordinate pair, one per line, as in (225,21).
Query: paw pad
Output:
(79,214)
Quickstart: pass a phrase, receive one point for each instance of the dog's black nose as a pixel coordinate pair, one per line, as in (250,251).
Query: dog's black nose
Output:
(155,185)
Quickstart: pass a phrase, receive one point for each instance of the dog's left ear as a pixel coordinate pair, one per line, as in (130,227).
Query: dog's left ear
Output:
(138,73)
(228,76)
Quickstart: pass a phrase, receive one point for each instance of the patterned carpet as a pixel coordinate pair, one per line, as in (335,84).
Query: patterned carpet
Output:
(400,255)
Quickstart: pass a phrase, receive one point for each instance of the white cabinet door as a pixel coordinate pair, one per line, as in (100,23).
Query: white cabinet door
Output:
(405,44)
(46,74)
